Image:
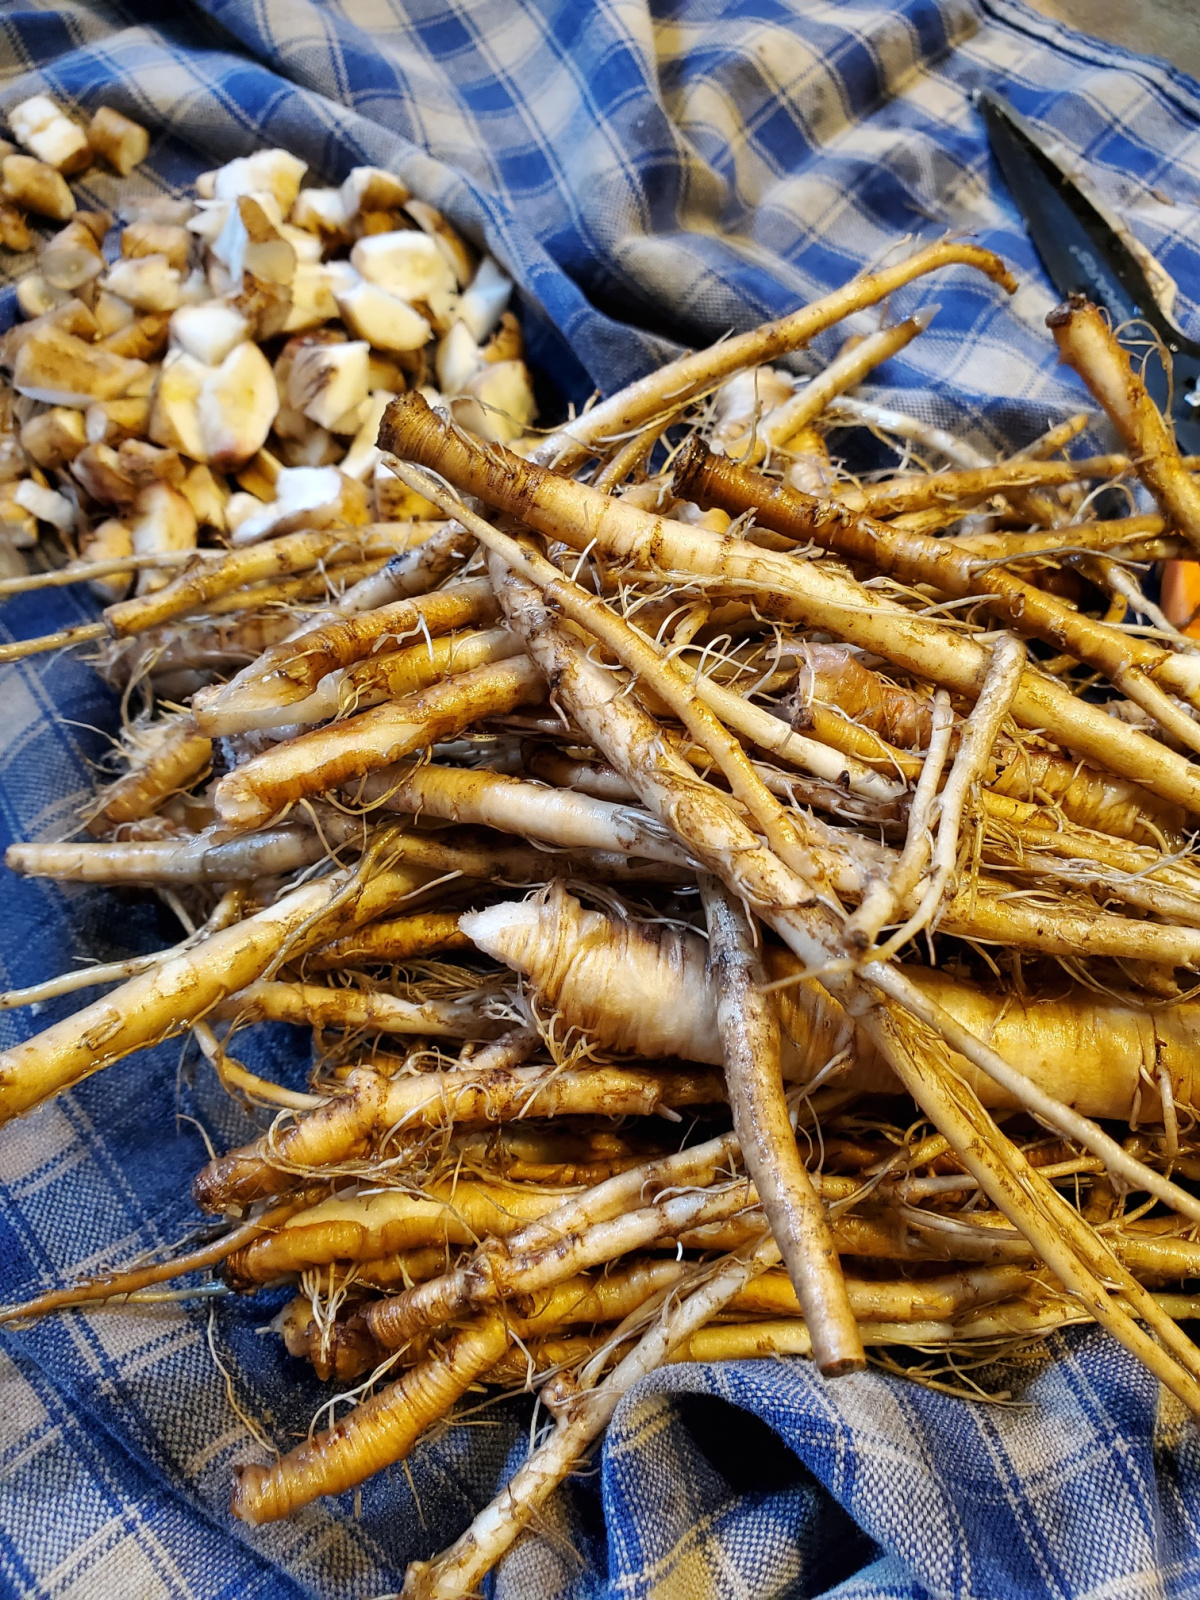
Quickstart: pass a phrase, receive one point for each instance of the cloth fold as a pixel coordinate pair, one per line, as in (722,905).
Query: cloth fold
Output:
(651,174)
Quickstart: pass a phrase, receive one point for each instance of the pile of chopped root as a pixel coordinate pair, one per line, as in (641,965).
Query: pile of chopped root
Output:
(741,907)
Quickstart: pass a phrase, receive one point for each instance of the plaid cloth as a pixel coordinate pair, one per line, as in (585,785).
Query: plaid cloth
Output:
(648,174)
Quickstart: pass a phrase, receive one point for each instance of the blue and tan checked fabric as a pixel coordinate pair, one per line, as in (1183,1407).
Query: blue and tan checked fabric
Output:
(649,173)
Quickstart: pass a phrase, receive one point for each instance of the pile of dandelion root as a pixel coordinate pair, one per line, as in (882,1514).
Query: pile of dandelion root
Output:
(741,908)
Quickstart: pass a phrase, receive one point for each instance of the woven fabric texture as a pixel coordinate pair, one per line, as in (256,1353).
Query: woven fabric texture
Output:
(651,174)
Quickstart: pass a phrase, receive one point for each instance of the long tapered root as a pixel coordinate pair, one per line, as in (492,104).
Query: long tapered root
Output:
(748,1022)
(376,1434)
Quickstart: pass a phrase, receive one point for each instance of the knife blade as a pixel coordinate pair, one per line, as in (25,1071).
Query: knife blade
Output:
(1083,254)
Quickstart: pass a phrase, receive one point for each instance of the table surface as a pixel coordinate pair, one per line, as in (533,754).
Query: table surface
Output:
(1166,28)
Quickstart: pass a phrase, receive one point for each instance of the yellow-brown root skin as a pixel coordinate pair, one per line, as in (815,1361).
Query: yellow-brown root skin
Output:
(376,1433)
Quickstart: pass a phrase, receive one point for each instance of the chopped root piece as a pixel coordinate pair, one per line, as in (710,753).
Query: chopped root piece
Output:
(123,143)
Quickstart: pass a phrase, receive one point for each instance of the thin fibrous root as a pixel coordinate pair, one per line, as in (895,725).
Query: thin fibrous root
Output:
(533,1247)
(582,1418)
(1143,670)
(690,375)
(117,1285)
(725,846)
(979,735)
(374,1107)
(172,995)
(884,893)
(314,763)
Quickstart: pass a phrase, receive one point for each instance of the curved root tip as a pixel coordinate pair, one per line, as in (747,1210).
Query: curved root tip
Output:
(233,1181)
(210,1185)
(1062,313)
(840,1369)
(992,265)
(245,1500)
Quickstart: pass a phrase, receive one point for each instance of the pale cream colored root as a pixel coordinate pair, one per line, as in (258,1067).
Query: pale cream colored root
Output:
(320,1006)
(832,680)
(506,1270)
(804,592)
(274,558)
(597,973)
(1083,1264)
(1141,668)
(210,857)
(325,759)
(288,673)
(177,991)
(1047,1107)
(722,842)
(514,805)
(884,894)
(368,1228)
(769,1339)
(617,1197)
(64,639)
(696,706)
(780,426)
(979,735)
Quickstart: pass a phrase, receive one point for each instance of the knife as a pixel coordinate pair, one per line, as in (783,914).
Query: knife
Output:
(1083,253)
